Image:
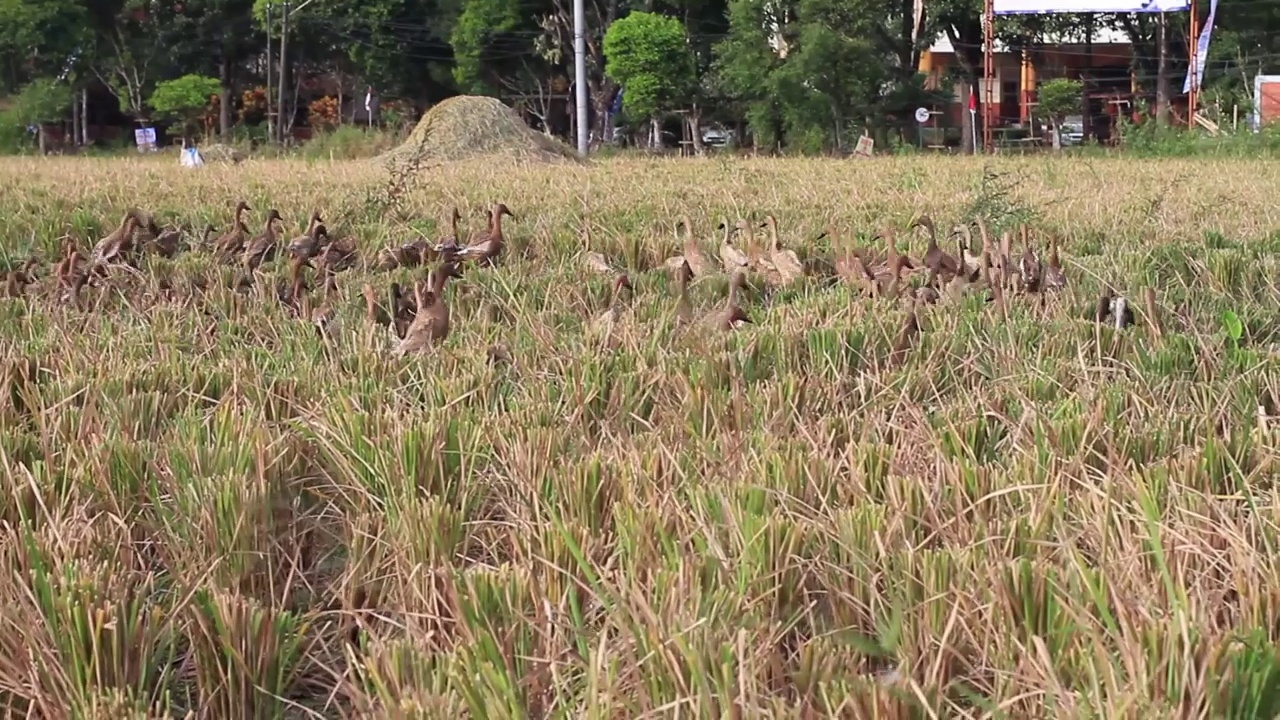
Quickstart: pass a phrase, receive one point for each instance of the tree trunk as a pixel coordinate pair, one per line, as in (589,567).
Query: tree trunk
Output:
(40,142)
(75,122)
(1057,136)
(84,116)
(655,134)
(695,130)
(224,105)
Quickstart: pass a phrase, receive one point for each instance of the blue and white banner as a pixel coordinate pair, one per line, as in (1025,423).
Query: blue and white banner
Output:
(1049,7)
(1202,49)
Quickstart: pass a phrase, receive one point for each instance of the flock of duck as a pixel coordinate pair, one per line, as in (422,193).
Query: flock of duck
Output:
(420,320)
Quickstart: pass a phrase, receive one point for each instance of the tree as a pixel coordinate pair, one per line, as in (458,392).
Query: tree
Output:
(216,38)
(649,55)
(1058,99)
(41,101)
(185,98)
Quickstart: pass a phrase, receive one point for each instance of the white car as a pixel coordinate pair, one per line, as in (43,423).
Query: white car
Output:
(716,136)
(1072,130)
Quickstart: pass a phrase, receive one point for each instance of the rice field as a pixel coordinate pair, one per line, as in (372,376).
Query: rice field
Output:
(209,511)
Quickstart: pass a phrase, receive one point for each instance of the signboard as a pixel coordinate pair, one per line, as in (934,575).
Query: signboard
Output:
(865,147)
(145,138)
(922,115)
(1027,7)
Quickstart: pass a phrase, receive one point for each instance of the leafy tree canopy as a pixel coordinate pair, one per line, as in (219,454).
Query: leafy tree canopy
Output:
(649,55)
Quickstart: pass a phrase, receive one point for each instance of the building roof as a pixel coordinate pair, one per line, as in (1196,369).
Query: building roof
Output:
(1101,36)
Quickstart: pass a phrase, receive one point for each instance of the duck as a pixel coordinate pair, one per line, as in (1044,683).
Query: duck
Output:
(262,248)
(119,242)
(906,338)
(1054,277)
(430,325)
(1114,309)
(292,295)
(1029,268)
(731,258)
(307,245)
(593,261)
(448,247)
(684,308)
(941,265)
(784,261)
(732,316)
(604,324)
(970,263)
(488,249)
(336,255)
(698,263)
(17,281)
(231,244)
(324,315)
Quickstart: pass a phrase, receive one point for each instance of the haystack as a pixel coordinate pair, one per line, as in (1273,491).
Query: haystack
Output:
(470,127)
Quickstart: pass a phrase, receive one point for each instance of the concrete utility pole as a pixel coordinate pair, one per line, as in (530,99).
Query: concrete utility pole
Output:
(284,71)
(580,72)
(271,132)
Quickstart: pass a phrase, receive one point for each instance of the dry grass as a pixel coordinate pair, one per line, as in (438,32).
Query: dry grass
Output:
(472,127)
(204,510)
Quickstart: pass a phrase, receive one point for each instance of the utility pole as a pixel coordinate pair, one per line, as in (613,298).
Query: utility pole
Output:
(580,72)
(1162,78)
(271,132)
(284,71)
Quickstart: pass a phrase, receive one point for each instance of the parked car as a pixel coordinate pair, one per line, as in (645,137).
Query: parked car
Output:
(716,136)
(1072,130)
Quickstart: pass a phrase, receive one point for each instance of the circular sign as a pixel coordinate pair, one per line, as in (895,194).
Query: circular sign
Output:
(922,115)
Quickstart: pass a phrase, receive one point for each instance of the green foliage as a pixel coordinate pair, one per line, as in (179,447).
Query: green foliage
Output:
(40,101)
(649,55)
(184,97)
(477,37)
(1060,97)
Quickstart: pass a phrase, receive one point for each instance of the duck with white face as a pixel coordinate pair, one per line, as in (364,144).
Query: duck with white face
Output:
(1115,310)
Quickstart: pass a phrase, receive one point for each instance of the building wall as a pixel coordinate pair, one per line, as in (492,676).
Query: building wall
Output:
(1012,90)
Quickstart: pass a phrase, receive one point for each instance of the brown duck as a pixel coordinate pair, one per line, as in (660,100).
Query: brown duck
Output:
(1054,277)
(785,262)
(294,293)
(231,244)
(731,258)
(336,255)
(906,338)
(263,247)
(1029,266)
(16,281)
(942,266)
(119,242)
(699,265)
(307,245)
(732,315)
(430,326)
(684,308)
(604,323)
(323,315)
(489,248)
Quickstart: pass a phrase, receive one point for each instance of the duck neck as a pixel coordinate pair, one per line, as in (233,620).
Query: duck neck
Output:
(438,279)
(773,237)
(495,224)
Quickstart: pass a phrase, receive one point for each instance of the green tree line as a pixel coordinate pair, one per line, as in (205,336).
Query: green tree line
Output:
(807,74)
